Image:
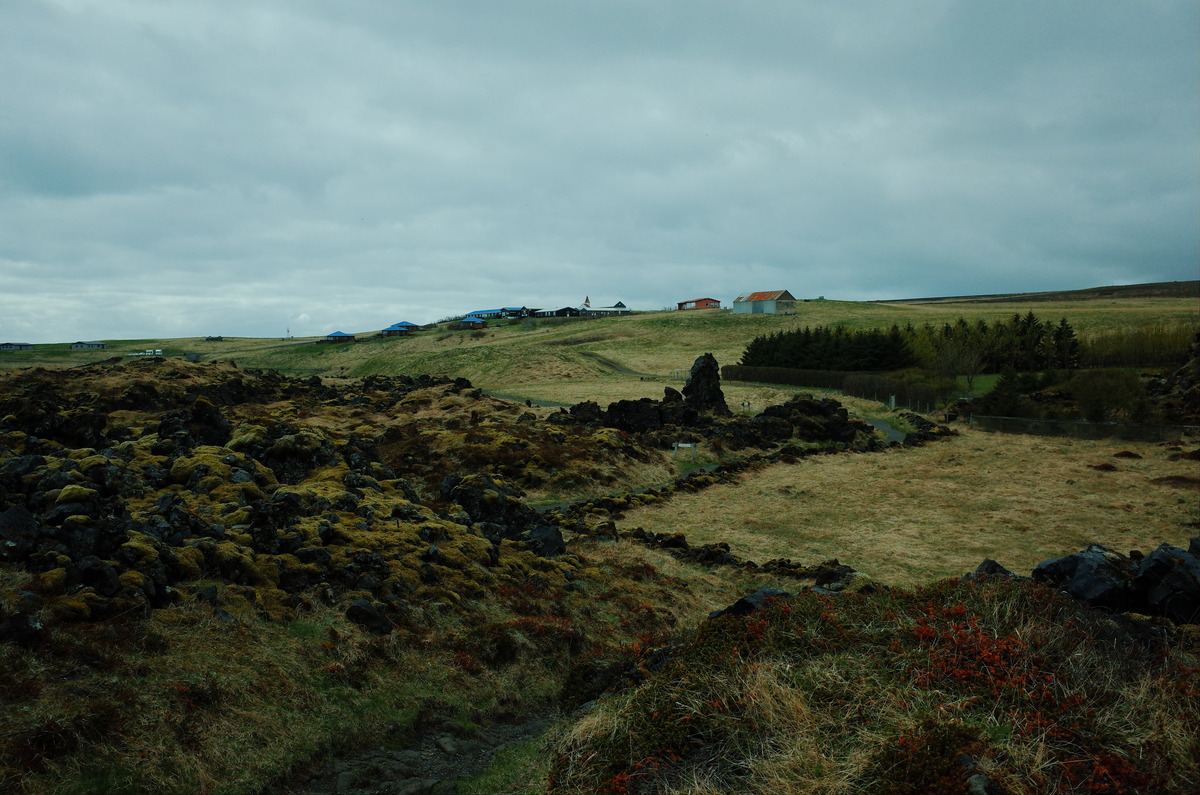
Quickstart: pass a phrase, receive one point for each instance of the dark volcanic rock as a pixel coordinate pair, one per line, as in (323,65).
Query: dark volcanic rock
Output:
(487,498)
(1168,584)
(634,416)
(752,602)
(544,540)
(368,616)
(1096,575)
(988,568)
(18,533)
(201,423)
(703,389)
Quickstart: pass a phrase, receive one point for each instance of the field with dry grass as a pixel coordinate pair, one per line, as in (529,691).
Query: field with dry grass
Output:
(912,516)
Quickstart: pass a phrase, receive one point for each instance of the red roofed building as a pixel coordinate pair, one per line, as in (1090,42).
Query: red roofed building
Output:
(699,303)
(771,302)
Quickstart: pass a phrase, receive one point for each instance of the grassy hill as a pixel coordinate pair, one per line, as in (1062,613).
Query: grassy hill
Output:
(569,360)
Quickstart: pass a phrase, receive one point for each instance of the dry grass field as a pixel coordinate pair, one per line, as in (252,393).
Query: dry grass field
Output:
(912,516)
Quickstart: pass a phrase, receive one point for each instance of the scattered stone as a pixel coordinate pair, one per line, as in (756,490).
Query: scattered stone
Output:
(368,616)
(989,568)
(752,602)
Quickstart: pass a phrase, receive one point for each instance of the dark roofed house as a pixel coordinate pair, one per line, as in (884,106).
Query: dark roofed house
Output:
(88,346)
(618,308)
(16,346)
(699,303)
(566,311)
(339,336)
(770,302)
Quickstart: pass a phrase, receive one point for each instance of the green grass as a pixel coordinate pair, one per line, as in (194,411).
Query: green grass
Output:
(517,769)
(981,385)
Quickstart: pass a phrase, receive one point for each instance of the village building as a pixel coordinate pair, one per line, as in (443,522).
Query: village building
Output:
(89,346)
(401,329)
(472,321)
(600,311)
(16,346)
(772,302)
(339,336)
(699,303)
(566,311)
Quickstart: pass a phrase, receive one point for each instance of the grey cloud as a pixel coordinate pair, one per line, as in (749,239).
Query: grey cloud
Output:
(445,157)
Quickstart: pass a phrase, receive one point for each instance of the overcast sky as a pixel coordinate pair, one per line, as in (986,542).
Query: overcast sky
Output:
(176,168)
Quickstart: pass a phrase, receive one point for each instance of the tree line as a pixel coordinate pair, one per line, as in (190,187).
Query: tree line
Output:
(1024,343)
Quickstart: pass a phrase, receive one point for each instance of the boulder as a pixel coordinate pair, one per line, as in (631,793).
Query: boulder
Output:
(368,616)
(752,602)
(1165,583)
(1168,584)
(1097,575)
(544,540)
(988,568)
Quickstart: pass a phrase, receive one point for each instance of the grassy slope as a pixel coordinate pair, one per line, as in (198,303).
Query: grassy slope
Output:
(565,362)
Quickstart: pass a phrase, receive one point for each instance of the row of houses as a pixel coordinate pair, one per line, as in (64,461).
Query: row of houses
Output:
(584,310)
(75,346)
(774,302)
(480,317)
(770,302)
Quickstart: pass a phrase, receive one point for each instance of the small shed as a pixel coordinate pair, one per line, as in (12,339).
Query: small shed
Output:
(89,346)
(16,346)
(770,302)
(339,336)
(698,303)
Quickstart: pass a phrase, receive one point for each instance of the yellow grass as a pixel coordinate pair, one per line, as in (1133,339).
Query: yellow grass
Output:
(913,516)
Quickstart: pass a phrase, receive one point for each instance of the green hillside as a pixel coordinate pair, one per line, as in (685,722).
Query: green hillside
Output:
(608,358)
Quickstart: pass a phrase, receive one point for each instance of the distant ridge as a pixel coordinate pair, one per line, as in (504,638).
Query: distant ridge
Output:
(1148,290)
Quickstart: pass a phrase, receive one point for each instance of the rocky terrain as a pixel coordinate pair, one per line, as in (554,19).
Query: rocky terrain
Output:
(123,482)
(134,489)
(200,562)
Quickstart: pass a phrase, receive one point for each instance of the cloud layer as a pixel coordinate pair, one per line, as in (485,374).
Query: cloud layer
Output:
(191,167)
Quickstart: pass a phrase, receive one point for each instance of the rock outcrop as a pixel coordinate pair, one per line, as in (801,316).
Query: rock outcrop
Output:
(1164,583)
(703,389)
